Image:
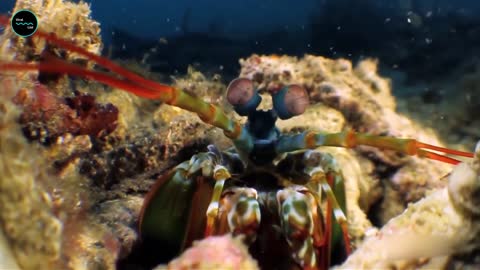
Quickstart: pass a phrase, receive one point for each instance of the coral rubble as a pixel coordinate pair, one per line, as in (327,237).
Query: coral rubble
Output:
(443,223)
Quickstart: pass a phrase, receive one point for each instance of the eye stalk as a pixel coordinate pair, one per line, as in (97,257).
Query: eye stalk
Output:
(243,96)
(290,101)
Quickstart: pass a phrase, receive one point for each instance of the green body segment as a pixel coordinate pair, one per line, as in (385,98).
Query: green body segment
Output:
(207,112)
(168,216)
(339,191)
(349,139)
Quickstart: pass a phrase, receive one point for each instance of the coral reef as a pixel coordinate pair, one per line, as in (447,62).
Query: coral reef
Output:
(31,190)
(63,234)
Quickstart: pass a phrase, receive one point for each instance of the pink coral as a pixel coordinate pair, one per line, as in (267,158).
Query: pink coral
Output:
(217,252)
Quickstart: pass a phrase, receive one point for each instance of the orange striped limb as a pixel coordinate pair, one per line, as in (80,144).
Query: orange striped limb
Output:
(350,139)
(125,80)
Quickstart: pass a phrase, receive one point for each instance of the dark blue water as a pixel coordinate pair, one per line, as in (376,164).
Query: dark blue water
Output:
(424,38)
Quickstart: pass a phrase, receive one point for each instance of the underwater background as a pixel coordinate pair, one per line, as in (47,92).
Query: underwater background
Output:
(419,39)
(78,157)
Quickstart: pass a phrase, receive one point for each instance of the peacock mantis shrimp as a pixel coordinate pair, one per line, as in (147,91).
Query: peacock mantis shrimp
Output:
(266,181)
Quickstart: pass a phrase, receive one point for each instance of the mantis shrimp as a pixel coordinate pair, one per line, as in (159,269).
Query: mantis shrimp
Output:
(268,181)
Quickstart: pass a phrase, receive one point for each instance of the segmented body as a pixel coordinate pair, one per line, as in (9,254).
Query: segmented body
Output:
(264,204)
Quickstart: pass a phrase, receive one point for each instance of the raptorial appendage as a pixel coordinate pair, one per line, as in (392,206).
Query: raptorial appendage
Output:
(180,199)
(300,223)
(240,210)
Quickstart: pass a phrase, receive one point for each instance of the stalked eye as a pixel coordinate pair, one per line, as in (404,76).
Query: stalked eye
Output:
(290,101)
(243,96)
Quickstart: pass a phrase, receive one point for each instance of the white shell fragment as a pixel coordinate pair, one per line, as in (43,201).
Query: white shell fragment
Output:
(7,261)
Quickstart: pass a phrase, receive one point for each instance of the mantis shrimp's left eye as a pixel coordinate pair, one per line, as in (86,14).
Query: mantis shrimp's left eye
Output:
(290,101)
(243,96)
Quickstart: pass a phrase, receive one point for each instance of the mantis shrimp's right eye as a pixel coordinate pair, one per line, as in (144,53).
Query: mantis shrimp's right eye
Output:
(290,101)
(243,96)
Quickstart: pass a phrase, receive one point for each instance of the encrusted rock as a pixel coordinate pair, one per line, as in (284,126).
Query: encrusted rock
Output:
(429,232)
(36,245)
(68,20)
